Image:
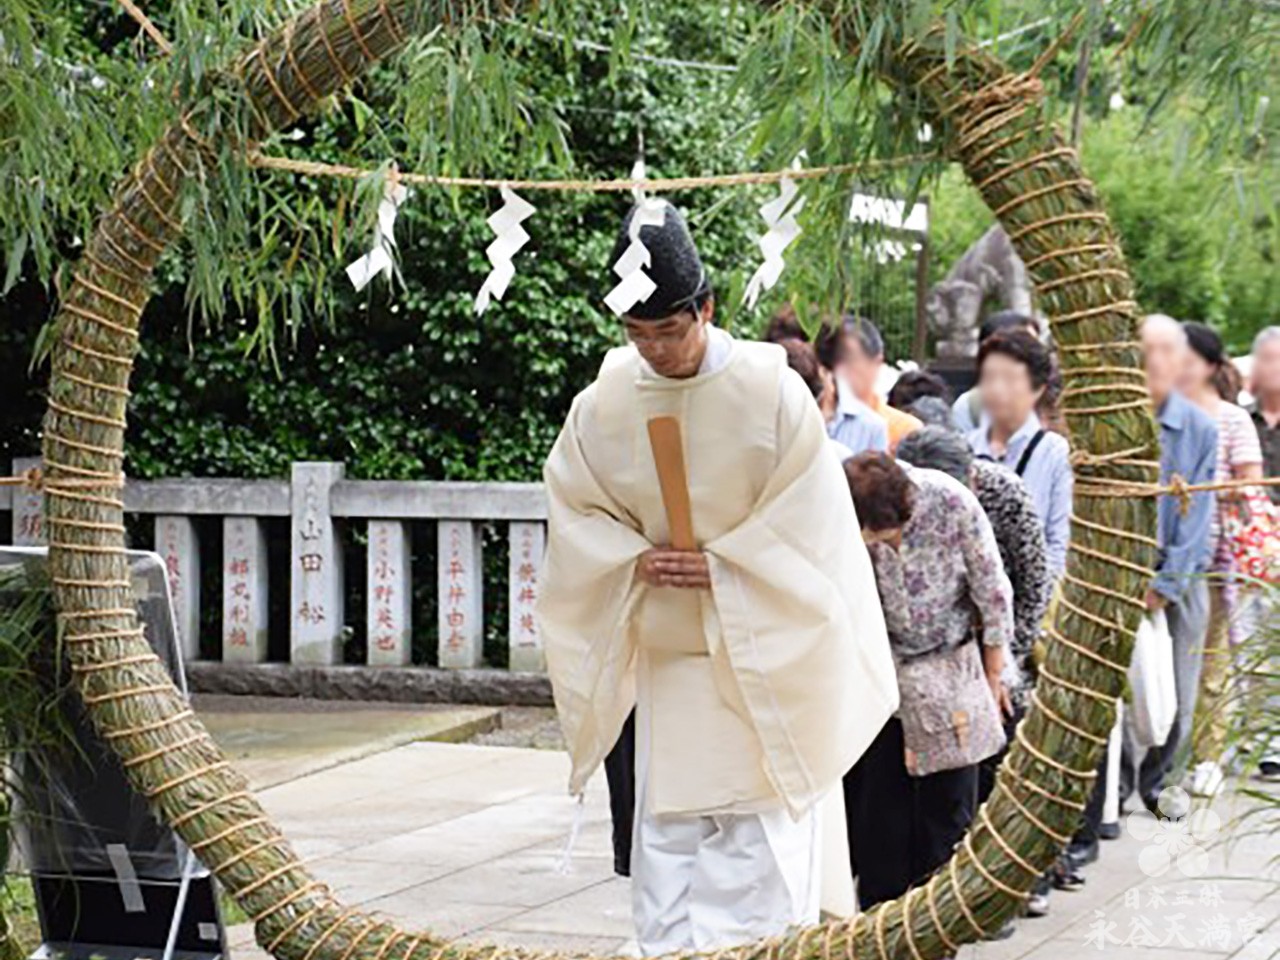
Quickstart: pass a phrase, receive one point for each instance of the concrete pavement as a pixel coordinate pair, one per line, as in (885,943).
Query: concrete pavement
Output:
(277,739)
(467,841)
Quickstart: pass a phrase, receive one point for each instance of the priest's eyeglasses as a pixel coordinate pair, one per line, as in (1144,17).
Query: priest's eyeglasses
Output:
(672,329)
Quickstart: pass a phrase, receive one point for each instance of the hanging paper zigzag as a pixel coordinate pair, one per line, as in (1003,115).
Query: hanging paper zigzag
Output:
(634,285)
(779,215)
(380,258)
(510,238)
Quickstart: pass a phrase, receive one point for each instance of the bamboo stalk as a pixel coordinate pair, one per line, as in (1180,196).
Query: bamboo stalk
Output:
(993,127)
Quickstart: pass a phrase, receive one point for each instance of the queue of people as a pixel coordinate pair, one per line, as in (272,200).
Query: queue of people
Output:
(1003,440)
(796,619)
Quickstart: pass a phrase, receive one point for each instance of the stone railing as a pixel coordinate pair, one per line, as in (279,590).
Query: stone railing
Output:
(317,499)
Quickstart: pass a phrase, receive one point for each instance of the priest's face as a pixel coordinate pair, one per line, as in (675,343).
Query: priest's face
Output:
(674,346)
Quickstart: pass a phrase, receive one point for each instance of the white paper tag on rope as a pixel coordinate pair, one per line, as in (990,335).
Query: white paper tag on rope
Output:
(634,285)
(380,258)
(510,236)
(779,215)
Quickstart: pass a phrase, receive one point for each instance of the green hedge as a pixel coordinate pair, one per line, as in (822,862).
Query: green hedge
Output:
(409,384)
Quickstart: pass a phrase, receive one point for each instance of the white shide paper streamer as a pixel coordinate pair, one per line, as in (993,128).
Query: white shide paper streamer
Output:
(634,285)
(509,238)
(779,216)
(380,258)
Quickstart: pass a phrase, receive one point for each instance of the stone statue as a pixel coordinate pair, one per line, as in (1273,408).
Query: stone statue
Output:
(954,306)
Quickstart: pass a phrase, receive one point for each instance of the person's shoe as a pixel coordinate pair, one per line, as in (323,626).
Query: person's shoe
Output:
(1038,905)
(1269,770)
(1152,803)
(1173,803)
(1004,933)
(1065,875)
(1081,853)
(1206,780)
(1109,831)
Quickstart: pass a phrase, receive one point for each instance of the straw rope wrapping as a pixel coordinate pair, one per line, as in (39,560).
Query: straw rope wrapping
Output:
(164,747)
(1034,181)
(993,125)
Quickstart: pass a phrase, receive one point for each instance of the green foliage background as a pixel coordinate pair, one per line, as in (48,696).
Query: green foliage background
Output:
(1200,233)
(257,353)
(262,354)
(406,382)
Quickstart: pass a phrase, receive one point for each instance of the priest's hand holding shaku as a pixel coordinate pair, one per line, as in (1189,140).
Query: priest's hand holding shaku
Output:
(667,567)
(679,563)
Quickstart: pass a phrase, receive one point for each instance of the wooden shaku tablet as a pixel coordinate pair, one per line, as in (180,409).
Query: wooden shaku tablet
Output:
(668,456)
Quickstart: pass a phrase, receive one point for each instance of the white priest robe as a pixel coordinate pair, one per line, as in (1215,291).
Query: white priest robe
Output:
(754,697)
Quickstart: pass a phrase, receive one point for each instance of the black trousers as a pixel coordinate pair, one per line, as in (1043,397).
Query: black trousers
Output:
(620,770)
(902,828)
(989,767)
(1091,819)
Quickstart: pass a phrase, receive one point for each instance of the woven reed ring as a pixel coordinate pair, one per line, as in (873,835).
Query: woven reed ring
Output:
(992,124)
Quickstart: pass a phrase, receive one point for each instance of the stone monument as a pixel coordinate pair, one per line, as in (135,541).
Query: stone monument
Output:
(954,307)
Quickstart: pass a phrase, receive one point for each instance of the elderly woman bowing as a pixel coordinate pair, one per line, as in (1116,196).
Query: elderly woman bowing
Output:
(1019,537)
(948,607)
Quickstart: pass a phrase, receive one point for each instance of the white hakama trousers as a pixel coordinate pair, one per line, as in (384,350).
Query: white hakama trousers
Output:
(704,882)
(707,882)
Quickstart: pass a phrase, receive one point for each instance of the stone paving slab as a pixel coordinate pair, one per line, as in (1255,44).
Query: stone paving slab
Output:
(274,740)
(477,844)
(469,841)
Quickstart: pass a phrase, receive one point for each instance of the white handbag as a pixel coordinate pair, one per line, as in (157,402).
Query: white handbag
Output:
(1154,703)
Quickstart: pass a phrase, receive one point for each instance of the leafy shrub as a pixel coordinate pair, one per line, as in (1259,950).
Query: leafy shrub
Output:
(1201,238)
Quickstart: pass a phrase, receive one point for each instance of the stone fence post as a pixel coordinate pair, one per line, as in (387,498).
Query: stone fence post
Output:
(179,547)
(527,542)
(244,590)
(461,597)
(315,570)
(28,507)
(390,595)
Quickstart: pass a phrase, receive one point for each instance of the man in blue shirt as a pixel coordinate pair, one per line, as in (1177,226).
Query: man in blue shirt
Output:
(1188,449)
(852,422)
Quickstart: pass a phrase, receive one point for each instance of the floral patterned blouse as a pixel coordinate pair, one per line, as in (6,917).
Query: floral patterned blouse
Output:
(946,581)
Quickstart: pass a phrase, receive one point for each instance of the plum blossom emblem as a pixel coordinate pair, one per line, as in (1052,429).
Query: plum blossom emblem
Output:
(1176,840)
